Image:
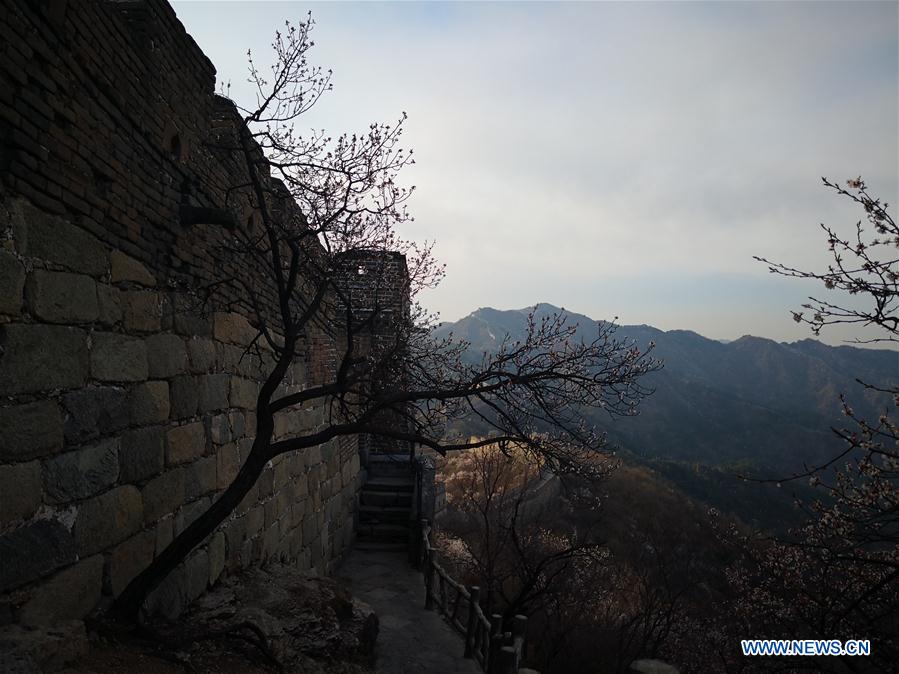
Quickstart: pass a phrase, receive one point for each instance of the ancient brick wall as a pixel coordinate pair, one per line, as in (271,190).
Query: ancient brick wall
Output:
(123,412)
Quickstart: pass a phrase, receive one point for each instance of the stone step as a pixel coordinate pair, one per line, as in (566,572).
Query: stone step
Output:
(396,465)
(375,514)
(382,533)
(372,546)
(382,483)
(385,499)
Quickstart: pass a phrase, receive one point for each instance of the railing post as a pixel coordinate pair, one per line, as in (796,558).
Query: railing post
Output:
(496,643)
(508,660)
(471,626)
(519,633)
(429,565)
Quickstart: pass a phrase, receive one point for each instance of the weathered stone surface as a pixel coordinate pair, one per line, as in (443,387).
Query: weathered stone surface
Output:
(170,598)
(185,397)
(300,616)
(33,551)
(30,431)
(165,534)
(197,574)
(233,328)
(124,268)
(213,392)
(56,240)
(220,429)
(20,491)
(185,443)
(94,411)
(202,354)
(141,311)
(163,494)
(243,392)
(42,357)
(69,595)
(148,402)
(108,519)
(217,555)
(25,651)
(188,317)
(81,473)
(166,355)
(12,283)
(188,514)
(227,465)
(60,297)
(117,357)
(200,477)
(142,453)
(109,302)
(130,558)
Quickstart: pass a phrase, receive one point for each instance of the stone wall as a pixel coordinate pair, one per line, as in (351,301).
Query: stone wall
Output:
(123,411)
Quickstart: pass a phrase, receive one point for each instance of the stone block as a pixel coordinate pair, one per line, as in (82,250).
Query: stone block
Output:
(82,473)
(124,268)
(238,422)
(141,311)
(117,357)
(188,514)
(244,393)
(94,411)
(130,558)
(163,495)
(42,357)
(201,354)
(148,402)
(60,297)
(56,240)
(141,454)
(185,397)
(108,519)
(165,534)
(213,392)
(30,431)
(199,478)
(185,443)
(197,566)
(188,317)
(220,429)
(166,355)
(282,473)
(34,551)
(170,598)
(217,554)
(109,304)
(69,595)
(227,465)
(233,329)
(12,284)
(255,520)
(20,491)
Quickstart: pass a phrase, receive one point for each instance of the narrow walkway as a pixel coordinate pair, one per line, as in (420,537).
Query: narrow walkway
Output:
(411,640)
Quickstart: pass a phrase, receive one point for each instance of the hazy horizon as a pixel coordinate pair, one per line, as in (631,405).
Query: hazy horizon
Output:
(621,159)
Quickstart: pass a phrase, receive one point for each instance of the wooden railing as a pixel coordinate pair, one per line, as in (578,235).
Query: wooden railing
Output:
(495,650)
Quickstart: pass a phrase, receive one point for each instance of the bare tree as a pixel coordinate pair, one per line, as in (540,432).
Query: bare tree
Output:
(323,212)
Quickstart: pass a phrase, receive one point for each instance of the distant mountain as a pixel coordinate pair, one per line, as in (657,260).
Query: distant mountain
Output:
(753,404)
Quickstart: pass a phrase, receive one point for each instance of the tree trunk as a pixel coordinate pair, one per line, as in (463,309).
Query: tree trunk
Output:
(127,605)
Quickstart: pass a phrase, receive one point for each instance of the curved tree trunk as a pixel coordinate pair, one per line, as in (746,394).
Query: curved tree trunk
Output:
(127,605)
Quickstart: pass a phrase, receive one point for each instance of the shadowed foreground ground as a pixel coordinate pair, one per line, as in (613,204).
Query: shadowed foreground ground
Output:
(411,640)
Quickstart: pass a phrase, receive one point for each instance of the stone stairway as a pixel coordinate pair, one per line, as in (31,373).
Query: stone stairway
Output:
(385,503)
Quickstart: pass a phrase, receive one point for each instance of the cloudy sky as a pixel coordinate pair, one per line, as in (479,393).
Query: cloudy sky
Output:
(617,159)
